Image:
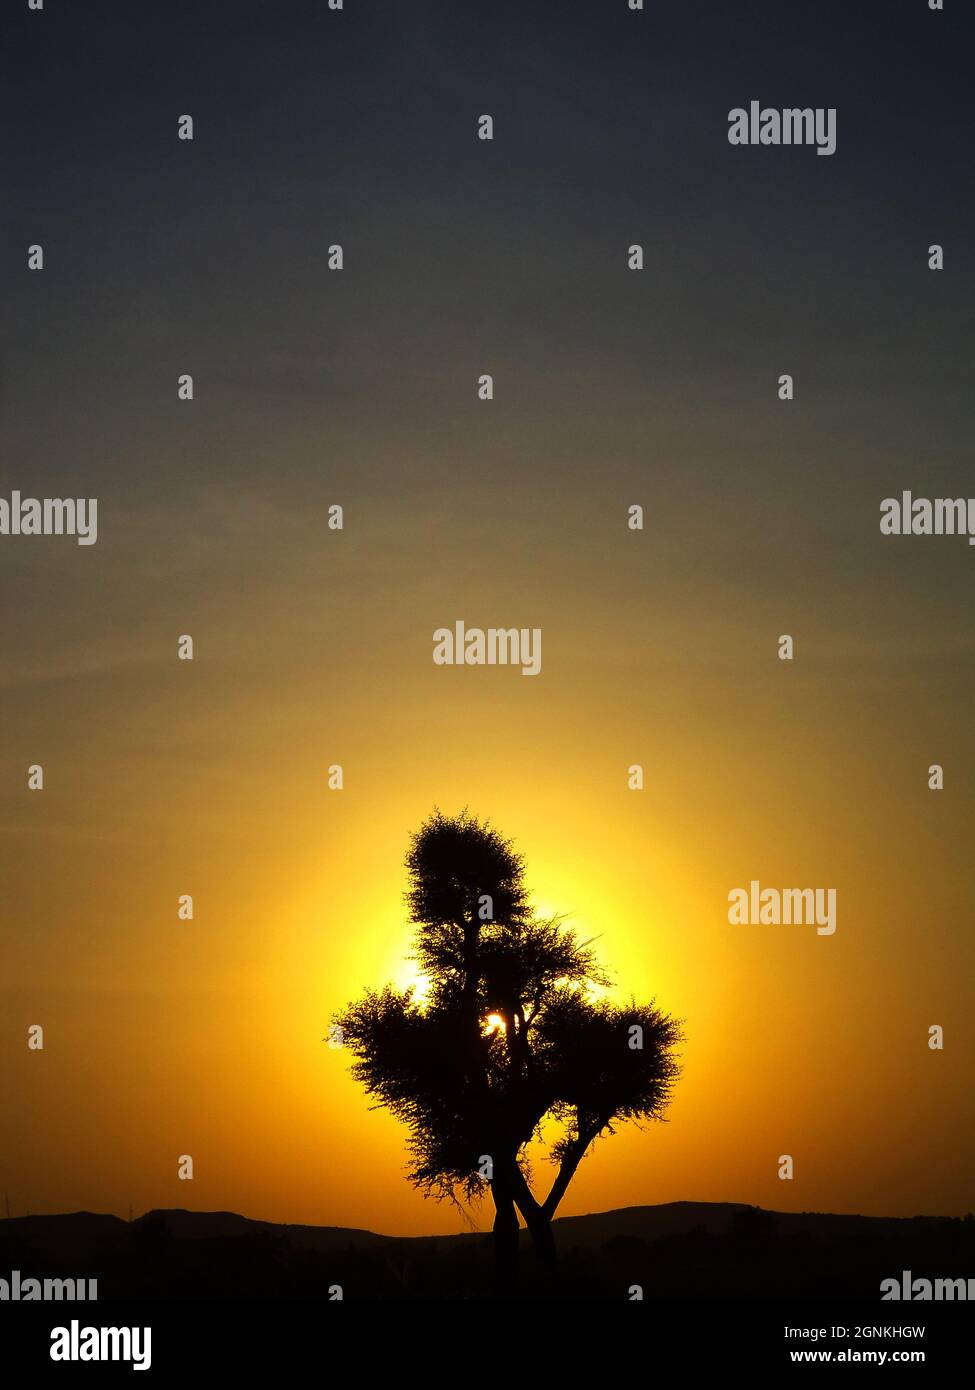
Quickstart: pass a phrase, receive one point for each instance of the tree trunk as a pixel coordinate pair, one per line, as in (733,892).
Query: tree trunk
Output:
(506,1239)
(543,1241)
(538,1221)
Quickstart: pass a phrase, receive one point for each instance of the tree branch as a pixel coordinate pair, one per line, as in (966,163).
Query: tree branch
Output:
(570,1162)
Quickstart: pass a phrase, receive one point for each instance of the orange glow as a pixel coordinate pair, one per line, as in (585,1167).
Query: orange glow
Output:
(166,1037)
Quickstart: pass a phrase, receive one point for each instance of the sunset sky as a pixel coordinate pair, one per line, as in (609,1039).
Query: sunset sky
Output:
(313,647)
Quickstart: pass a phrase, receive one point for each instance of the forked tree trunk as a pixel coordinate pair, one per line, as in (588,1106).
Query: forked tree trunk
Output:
(538,1215)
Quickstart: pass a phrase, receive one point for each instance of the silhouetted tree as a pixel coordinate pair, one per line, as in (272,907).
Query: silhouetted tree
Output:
(508,1034)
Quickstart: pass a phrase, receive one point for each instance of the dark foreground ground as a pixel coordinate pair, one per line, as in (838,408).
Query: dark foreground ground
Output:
(683,1250)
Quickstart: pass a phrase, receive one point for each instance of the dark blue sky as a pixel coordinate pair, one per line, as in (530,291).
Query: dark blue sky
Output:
(314,127)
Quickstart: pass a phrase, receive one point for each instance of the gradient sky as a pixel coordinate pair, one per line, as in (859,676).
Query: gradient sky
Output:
(314,647)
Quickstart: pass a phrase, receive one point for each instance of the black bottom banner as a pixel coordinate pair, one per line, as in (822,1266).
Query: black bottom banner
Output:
(170,1339)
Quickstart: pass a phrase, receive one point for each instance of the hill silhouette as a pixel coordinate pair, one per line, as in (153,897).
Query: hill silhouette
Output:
(679,1249)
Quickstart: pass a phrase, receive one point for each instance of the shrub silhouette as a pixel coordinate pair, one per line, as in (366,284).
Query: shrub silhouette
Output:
(509,1035)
